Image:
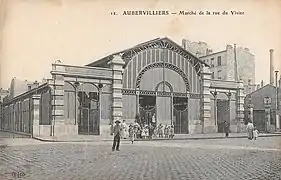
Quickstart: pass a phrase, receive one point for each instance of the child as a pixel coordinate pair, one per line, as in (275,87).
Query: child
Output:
(143,135)
(146,132)
(131,133)
(255,133)
(155,132)
(172,131)
(166,131)
(161,131)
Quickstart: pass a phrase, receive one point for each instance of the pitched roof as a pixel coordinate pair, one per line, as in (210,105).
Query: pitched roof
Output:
(152,43)
(260,89)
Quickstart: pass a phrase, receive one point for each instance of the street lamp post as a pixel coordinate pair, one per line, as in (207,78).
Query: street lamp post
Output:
(276,102)
(137,100)
(267,106)
(76,85)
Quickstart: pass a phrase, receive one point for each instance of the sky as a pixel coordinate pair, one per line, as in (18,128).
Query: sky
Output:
(36,33)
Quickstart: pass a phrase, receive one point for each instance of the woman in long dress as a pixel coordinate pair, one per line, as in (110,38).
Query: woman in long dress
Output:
(124,132)
(132,133)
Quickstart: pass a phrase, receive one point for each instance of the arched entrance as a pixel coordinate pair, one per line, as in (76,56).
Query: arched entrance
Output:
(164,103)
(162,97)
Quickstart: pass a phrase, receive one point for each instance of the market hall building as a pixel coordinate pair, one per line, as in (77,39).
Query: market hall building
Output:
(157,80)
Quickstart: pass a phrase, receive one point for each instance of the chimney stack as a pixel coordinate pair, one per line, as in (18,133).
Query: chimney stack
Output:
(184,44)
(271,69)
(262,83)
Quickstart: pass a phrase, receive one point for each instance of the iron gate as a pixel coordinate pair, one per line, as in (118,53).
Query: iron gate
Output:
(180,108)
(88,120)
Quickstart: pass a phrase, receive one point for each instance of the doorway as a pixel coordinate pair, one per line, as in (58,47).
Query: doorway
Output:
(223,114)
(147,109)
(88,116)
(180,110)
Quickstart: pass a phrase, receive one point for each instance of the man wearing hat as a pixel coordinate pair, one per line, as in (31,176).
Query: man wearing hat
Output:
(116,134)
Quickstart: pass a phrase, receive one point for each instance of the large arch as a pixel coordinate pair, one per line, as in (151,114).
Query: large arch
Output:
(159,57)
(163,65)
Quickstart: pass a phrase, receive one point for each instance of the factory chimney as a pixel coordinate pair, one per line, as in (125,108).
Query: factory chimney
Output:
(271,69)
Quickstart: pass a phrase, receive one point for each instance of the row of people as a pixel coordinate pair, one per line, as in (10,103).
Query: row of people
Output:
(166,131)
(145,131)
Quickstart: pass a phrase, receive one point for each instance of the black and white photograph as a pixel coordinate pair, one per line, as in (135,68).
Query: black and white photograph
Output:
(140,90)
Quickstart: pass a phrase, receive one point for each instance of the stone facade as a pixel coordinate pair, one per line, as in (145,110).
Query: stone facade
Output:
(158,78)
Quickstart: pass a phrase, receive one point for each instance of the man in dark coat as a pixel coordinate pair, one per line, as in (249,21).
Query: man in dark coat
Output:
(226,128)
(116,134)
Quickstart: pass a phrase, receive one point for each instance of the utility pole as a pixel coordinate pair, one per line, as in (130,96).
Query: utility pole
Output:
(276,102)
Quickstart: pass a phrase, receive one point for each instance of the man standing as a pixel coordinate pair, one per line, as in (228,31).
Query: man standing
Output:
(116,134)
(226,128)
(250,129)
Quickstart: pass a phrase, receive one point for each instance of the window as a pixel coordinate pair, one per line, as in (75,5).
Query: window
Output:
(213,75)
(219,74)
(212,62)
(219,60)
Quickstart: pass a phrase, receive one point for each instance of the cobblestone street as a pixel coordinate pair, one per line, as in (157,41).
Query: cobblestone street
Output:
(227,159)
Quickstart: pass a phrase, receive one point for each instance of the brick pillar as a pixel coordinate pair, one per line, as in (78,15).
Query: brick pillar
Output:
(59,127)
(116,65)
(240,96)
(36,115)
(208,125)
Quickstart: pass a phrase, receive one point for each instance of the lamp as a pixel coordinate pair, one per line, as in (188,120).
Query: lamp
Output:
(100,85)
(76,83)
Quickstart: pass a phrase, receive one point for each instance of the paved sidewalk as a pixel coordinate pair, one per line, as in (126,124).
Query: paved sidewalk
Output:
(92,138)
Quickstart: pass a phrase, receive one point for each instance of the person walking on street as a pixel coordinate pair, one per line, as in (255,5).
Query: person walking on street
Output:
(226,128)
(250,129)
(116,134)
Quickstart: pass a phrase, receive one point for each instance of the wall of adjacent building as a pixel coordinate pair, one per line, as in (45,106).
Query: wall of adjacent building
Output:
(18,87)
(3,94)
(225,71)
(246,65)
(196,48)
(219,70)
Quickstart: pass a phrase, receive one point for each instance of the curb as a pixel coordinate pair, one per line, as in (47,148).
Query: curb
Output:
(188,138)
(16,132)
(3,145)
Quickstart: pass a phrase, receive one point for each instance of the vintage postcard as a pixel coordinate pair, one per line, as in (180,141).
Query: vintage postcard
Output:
(140,90)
